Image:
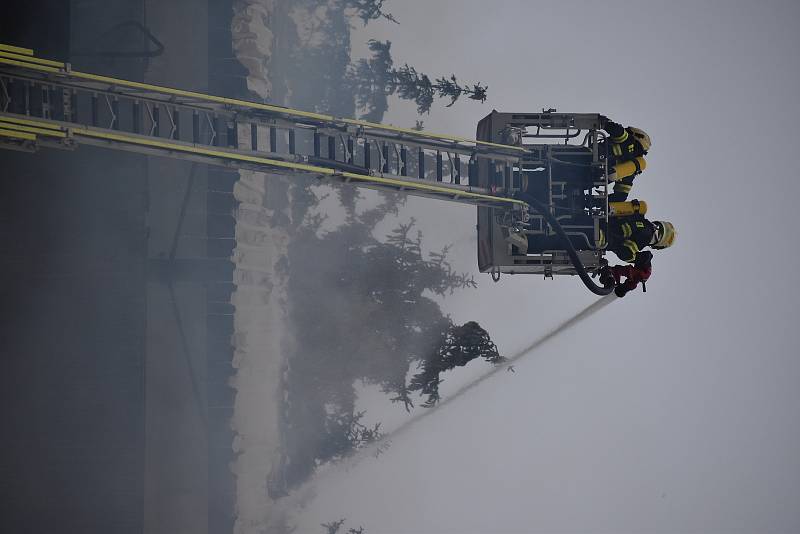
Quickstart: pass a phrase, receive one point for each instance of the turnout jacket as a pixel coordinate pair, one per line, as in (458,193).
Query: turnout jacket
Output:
(626,236)
(622,189)
(623,146)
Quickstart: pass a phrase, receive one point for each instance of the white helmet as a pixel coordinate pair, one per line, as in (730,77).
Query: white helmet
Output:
(642,137)
(665,234)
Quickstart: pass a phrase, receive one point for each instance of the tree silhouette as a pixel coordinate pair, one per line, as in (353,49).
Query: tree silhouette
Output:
(409,84)
(368,10)
(375,78)
(459,346)
(363,310)
(371,78)
(333,527)
(344,434)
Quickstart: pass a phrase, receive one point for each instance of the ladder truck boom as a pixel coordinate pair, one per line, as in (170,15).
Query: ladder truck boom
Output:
(45,103)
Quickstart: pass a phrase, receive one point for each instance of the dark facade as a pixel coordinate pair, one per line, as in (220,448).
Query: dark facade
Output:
(97,324)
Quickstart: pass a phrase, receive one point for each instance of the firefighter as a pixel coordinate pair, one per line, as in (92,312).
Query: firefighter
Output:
(627,236)
(638,272)
(624,236)
(626,150)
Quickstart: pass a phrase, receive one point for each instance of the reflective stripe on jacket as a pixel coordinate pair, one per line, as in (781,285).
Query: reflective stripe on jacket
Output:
(623,145)
(626,236)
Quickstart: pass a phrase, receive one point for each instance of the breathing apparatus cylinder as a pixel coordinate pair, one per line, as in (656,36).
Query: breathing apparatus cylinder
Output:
(626,168)
(623,209)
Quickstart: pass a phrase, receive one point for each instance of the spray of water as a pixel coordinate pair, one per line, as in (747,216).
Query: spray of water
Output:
(561,328)
(301,496)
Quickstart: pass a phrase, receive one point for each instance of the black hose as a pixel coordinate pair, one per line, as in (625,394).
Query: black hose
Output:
(573,255)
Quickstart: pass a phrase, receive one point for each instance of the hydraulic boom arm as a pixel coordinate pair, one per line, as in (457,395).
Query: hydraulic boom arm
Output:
(45,103)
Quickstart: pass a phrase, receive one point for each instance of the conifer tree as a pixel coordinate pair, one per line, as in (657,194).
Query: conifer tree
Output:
(459,346)
(375,78)
(368,10)
(333,527)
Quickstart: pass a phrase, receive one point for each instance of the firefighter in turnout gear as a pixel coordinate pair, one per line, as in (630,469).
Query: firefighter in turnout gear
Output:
(627,236)
(626,150)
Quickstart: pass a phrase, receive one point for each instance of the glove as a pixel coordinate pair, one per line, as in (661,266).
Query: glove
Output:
(613,128)
(643,259)
(606,278)
(620,291)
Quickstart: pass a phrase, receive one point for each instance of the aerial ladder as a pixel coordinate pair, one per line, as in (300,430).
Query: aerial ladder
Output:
(528,174)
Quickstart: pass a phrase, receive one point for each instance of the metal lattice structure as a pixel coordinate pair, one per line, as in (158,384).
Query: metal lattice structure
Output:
(565,169)
(47,104)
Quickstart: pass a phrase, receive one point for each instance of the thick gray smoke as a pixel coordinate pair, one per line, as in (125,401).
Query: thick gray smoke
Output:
(560,329)
(304,494)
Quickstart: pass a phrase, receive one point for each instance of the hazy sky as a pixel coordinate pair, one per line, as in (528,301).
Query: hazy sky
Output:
(673,411)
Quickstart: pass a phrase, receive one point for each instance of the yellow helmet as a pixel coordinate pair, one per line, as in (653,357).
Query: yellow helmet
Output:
(642,137)
(665,234)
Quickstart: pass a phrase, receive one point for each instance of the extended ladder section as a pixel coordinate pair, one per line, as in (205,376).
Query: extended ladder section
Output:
(44,103)
(549,157)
